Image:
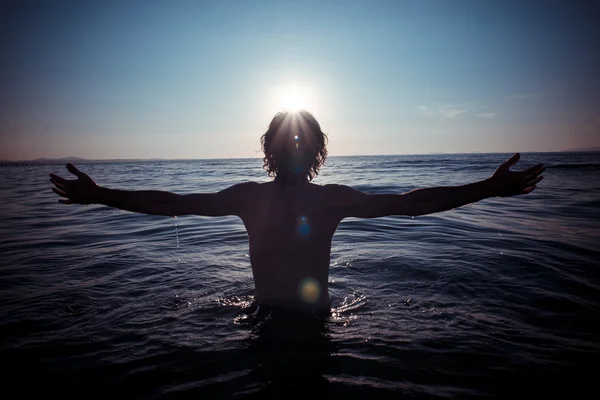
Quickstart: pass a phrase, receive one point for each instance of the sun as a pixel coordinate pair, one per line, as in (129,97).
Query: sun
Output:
(293,98)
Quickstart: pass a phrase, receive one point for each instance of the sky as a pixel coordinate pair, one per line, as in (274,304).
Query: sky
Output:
(203,79)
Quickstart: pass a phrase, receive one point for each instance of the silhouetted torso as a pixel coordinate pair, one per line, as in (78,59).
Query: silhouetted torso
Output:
(290,232)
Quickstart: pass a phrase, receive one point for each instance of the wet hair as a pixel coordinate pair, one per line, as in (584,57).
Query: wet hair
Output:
(301,128)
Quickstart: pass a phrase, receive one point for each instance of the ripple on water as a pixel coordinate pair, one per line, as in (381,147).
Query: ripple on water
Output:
(500,294)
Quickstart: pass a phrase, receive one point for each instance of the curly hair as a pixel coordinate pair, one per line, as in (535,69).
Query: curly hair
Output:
(289,128)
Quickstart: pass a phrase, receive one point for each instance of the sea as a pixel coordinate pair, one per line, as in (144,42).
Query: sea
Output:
(496,299)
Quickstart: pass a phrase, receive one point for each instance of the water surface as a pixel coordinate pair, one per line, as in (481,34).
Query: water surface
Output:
(483,301)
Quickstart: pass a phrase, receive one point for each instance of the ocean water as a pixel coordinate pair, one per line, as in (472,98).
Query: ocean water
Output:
(486,301)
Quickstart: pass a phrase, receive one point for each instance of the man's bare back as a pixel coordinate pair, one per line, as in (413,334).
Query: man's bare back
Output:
(290,229)
(290,221)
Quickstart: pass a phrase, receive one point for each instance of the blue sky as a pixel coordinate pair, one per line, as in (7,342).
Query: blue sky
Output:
(202,79)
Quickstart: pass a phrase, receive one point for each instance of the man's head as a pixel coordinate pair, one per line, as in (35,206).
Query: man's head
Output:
(294,146)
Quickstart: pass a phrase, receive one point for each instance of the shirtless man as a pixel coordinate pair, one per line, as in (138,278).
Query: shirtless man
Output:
(291,221)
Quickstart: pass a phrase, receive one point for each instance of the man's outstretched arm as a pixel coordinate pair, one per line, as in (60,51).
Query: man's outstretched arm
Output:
(349,202)
(84,190)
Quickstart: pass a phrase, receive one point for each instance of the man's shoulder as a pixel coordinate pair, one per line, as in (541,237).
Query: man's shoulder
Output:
(249,185)
(330,189)
(335,189)
(248,188)
(334,186)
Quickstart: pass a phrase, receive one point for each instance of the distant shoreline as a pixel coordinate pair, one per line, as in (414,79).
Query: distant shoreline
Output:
(59,161)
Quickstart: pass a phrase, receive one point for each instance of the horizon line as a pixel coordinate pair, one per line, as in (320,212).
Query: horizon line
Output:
(81,159)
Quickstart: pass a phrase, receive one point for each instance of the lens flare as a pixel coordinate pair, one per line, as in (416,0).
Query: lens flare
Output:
(303,227)
(310,290)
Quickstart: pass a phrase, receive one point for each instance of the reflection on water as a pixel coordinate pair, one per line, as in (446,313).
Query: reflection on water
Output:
(292,349)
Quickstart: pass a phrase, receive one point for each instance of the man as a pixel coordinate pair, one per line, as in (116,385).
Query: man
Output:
(291,221)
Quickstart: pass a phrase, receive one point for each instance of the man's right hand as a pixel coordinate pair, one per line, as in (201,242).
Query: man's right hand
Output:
(82,190)
(506,183)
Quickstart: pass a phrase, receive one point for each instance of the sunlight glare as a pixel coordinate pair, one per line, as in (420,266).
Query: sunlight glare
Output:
(293,98)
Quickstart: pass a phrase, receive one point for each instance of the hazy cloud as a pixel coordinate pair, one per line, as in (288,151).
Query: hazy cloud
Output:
(446,111)
(427,111)
(486,115)
(450,111)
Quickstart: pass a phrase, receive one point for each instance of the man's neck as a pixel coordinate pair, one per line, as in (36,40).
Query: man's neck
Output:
(291,179)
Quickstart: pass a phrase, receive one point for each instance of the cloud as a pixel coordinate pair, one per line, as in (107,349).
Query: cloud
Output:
(446,111)
(450,111)
(486,115)
(427,111)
